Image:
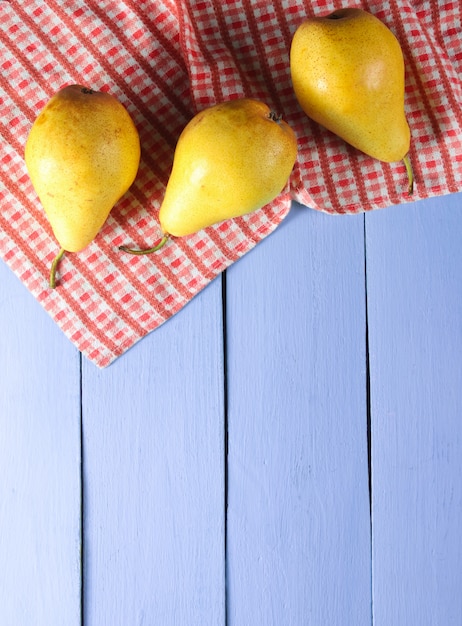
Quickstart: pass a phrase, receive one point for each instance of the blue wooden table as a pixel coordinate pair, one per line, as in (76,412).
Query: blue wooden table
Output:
(287,450)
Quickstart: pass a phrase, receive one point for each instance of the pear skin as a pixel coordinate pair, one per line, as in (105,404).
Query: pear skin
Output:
(82,155)
(230,159)
(348,75)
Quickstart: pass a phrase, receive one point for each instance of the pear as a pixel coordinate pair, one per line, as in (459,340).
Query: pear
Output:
(347,72)
(231,159)
(82,154)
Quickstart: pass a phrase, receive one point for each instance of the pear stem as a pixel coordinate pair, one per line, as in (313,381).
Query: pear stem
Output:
(54,266)
(410,174)
(158,246)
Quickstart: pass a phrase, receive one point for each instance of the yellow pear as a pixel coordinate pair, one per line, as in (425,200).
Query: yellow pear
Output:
(231,159)
(347,72)
(82,155)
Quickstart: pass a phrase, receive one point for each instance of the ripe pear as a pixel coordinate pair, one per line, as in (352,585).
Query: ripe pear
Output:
(82,154)
(230,159)
(347,72)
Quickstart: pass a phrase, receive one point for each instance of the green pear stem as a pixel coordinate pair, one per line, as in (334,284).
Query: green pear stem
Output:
(410,174)
(54,266)
(158,246)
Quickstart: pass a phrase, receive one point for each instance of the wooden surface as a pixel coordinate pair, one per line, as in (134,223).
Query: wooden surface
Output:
(287,450)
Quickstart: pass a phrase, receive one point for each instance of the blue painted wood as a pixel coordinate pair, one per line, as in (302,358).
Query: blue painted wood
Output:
(153,433)
(298,527)
(414,269)
(39,465)
(298,516)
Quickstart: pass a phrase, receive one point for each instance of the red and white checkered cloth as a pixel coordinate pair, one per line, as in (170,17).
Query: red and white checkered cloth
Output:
(165,60)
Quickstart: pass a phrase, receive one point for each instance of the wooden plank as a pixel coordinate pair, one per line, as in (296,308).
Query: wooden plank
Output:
(39,464)
(154,476)
(298,536)
(414,285)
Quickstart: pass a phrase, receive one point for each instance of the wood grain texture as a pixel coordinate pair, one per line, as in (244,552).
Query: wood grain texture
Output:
(40,572)
(298,513)
(154,476)
(414,261)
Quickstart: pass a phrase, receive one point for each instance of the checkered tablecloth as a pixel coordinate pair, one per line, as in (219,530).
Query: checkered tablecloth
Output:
(165,60)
